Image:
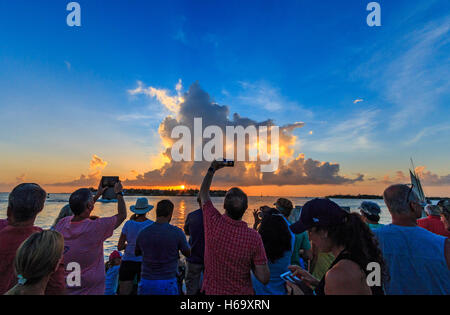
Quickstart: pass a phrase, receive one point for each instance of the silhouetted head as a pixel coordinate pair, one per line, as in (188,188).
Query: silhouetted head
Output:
(403,202)
(275,234)
(236,203)
(25,202)
(370,211)
(164,209)
(284,206)
(82,202)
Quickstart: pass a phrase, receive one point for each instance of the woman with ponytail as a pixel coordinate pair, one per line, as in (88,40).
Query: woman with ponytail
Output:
(359,267)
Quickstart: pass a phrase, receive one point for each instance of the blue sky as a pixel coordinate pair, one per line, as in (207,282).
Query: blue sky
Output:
(64,91)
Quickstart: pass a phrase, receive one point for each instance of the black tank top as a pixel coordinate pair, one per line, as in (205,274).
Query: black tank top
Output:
(320,289)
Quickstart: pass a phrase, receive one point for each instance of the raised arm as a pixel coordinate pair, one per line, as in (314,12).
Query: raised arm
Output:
(206,185)
(100,191)
(121,206)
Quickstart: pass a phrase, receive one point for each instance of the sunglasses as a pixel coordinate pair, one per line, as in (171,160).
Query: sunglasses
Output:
(422,204)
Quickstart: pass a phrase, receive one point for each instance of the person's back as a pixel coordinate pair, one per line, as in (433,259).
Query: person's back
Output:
(231,248)
(84,237)
(84,246)
(159,245)
(434,224)
(25,202)
(10,239)
(277,239)
(194,228)
(132,229)
(416,260)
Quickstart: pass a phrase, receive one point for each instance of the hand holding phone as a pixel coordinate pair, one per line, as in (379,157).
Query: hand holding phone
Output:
(217,165)
(289,277)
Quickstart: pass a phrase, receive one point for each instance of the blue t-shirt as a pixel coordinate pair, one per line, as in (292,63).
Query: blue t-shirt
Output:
(160,244)
(416,260)
(194,228)
(112,280)
(276,285)
(131,229)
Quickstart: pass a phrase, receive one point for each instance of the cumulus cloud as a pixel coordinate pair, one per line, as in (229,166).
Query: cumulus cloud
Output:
(172,103)
(96,166)
(196,103)
(97,163)
(427,178)
(431,179)
(398,178)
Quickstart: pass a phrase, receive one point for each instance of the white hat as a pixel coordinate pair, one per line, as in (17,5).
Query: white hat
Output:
(141,207)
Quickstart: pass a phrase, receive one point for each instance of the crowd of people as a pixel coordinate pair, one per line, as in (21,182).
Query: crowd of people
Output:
(317,249)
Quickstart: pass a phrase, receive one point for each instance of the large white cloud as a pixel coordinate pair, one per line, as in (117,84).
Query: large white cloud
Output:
(196,103)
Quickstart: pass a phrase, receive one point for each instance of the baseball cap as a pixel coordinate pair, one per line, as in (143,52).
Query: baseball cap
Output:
(370,208)
(319,212)
(115,254)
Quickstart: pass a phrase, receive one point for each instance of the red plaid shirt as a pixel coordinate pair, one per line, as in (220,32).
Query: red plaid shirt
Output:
(231,248)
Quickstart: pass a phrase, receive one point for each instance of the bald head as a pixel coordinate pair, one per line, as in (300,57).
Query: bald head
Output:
(397,199)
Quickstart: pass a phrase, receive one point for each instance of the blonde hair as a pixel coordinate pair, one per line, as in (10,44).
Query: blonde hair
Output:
(66,211)
(38,256)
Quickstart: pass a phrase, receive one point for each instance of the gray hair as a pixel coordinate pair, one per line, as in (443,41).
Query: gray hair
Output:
(79,200)
(26,201)
(397,200)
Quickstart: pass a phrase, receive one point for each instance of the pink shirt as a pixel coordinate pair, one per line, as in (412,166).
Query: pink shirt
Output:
(83,244)
(3,224)
(11,238)
(231,248)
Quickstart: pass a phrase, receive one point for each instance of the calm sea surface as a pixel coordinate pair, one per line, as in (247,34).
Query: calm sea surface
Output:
(183,206)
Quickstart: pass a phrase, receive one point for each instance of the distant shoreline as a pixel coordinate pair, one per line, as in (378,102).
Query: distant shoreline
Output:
(221,193)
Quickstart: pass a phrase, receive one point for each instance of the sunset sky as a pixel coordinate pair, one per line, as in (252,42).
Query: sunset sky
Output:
(355,103)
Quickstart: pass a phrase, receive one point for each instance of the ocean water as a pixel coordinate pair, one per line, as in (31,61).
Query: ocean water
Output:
(183,206)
